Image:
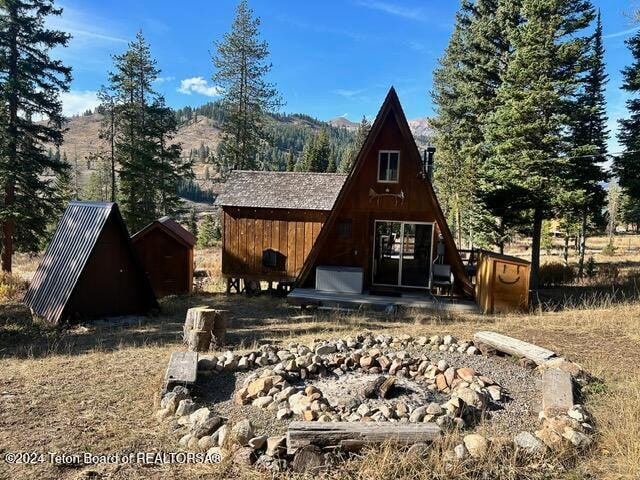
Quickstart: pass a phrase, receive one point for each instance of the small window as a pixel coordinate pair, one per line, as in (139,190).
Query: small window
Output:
(270,258)
(388,166)
(344,228)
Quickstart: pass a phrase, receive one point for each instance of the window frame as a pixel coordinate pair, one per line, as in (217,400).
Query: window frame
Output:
(380,152)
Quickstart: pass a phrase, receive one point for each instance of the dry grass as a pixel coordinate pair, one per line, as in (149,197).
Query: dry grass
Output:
(96,389)
(69,391)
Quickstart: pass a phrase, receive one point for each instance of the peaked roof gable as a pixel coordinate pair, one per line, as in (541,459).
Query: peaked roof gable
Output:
(390,106)
(68,254)
(171,227)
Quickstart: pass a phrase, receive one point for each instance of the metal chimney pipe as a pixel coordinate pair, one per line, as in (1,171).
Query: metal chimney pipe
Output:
(430,152)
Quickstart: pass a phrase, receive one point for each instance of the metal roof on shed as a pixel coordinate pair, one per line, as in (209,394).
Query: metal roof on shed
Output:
(66,257)
(288,190)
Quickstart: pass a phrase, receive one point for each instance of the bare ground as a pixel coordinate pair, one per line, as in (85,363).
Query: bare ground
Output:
(96,390)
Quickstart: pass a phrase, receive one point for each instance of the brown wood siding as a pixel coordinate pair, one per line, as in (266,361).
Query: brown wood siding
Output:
(167,262)
(363,210)
(110,283)
(249,231)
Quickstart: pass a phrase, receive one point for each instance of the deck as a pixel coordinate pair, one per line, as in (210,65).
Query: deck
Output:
(310,296)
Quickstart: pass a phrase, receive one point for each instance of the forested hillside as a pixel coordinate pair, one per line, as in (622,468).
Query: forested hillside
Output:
(199,133)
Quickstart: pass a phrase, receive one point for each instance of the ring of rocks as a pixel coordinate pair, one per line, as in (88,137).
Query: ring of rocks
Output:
(288,381)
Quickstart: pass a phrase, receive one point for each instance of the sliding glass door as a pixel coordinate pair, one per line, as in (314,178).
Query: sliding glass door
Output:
(402,253)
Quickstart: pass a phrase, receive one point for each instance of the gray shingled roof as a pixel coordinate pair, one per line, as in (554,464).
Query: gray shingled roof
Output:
(292,190)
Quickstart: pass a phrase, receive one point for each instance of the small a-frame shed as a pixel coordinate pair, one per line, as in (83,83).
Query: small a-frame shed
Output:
(90,268)
(165,249)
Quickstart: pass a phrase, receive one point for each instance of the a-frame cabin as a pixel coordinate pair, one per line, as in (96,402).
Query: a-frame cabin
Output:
(380,230)
(387,220)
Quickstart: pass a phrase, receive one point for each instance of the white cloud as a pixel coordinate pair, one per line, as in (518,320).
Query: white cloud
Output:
(348,93)
(76,102)
(199,85)
(394,9)
(165,79)
(622,33)
(84,25)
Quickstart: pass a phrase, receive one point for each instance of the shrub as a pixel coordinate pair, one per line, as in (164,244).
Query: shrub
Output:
(12,287)
(555,273)
(590,268)
(609,272)
(609,249)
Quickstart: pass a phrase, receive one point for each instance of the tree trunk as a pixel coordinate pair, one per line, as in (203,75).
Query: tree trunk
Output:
(8,224)
(583,245)
(458,222)
(112,135)
(535,248)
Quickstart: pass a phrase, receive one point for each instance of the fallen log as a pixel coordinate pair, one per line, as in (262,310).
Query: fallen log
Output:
(513,346)
(355,435)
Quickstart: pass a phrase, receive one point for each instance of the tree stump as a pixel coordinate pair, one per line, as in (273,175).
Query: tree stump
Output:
(203,326)
(199,340)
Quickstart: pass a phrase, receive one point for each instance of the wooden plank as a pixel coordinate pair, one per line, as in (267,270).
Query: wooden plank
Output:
(283,227)
(233,248)
(513,346)
(357,434)
(300,254)
(257,246)
(308,239)
(557,392)
(182,369)
(275,235)
(291,248)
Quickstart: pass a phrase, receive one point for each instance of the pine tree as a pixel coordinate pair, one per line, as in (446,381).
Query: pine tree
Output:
(465,86)
(241,67)
(108,133)
(614,199)
(192,224)
(30,86)
(316,152)
(527,129)
(169,169)
(331,165)
(150,166)
(63,186)
(208,232)
(291,162)
(627,166)
(348,158)
(589,136)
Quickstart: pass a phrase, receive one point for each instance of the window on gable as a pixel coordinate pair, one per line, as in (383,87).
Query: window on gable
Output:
(388,166)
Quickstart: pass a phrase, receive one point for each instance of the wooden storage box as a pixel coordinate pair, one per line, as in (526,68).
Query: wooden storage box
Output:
(502,283)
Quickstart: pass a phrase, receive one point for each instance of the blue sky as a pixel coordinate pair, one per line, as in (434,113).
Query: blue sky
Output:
(330,57)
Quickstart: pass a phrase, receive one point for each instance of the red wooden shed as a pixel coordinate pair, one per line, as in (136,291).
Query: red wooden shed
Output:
(165,249)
